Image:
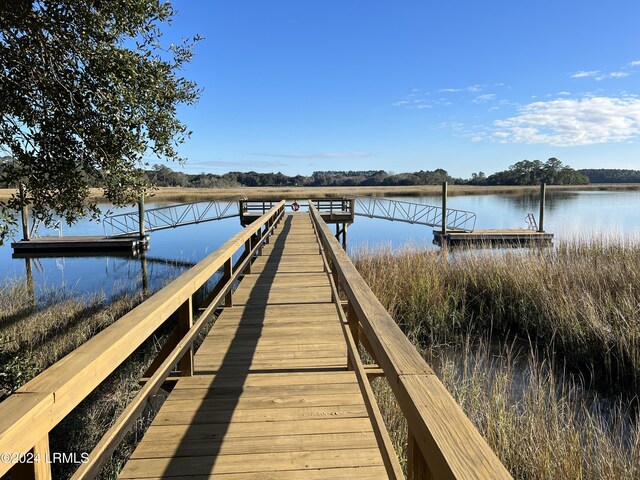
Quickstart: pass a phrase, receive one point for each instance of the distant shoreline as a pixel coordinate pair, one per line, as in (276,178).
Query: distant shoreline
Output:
(179,194)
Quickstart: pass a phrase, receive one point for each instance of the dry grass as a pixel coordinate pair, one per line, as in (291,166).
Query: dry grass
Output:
(579,304)
(34,335)
(581,299)
(183,194)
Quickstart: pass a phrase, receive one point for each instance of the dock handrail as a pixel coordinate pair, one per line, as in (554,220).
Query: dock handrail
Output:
(442,443)
(28,415)
(172,216)
(414,213)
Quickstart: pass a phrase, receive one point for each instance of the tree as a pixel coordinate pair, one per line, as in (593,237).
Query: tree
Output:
(87,90)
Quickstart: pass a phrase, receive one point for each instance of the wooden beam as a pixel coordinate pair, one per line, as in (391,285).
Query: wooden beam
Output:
(439,426)
(37,407)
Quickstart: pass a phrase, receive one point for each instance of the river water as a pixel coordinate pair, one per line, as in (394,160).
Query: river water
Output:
(569,214)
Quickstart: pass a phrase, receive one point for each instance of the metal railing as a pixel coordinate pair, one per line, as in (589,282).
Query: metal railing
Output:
(417,213)
(172,216)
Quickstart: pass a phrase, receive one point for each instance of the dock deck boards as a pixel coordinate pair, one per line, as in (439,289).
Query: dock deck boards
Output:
(494,236)
(79,244)
(271,397)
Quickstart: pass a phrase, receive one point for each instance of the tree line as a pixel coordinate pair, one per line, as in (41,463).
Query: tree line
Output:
(525,172)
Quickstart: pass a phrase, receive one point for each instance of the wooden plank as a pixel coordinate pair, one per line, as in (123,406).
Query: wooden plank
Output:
(256,402)
(273,355)
(357,473)
(263,462)
(250,445)
(262,365)
(209,432)
(270,380)
(262,415)
(223,391)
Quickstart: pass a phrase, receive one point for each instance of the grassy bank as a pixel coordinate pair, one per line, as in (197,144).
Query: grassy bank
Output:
(581,299)
(520,340)
(183,194)
(35,333)
(542,424)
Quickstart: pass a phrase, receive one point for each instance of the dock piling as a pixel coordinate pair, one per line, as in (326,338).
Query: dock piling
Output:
(25,215)
(141,216)
(444,207)
(543,188)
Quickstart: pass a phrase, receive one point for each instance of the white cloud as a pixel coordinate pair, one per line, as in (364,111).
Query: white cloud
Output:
(586,74)
(471,88)
(635,63)
(317,155)
(568,122)
(564,94)
(485,98)
(618,74)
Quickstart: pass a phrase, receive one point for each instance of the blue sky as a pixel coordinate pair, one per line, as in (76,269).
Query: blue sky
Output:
(299,86)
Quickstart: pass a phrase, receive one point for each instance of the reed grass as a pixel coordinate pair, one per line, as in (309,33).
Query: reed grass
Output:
(34,334)
(186,194)
(574,306)
(581,299)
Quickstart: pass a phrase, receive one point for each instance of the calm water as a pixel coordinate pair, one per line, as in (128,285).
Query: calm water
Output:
(568,214)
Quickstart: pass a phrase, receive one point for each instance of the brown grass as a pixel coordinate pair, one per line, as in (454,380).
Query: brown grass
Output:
(580,306)
(581,298)
(183,194)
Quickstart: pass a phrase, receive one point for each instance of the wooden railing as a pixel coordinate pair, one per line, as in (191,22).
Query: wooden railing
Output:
(442,443)
(324,205)
(28,415)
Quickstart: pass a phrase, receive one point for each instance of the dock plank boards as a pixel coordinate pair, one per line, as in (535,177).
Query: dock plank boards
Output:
(271,396)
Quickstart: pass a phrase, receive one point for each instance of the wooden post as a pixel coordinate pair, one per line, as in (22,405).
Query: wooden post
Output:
(543,189)
(145,275)
(30,283)
(38,470)
(141,216)
(444,207)
(247,252)
(228,271)
(334,274)
(185,322)
(344,235)
(416,466)
(25,215)
(352,318)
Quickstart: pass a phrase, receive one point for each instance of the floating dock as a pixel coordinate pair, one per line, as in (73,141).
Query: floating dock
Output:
(81,244)
(493,237)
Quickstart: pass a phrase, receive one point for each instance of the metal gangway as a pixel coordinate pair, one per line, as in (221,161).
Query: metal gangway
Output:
(416,213)
(172,216)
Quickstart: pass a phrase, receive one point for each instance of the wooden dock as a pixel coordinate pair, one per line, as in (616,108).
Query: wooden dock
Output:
(270,391)
(80,244)
(277,389)
(521,237)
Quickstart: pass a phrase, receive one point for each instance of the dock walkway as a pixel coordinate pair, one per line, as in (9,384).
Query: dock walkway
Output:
(278,389)
(271,392)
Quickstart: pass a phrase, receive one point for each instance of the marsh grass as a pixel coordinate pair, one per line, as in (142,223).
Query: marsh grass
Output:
(511,334)
(35,334)
(581,299)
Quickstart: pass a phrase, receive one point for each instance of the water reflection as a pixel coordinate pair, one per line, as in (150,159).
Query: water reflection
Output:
(568,214)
